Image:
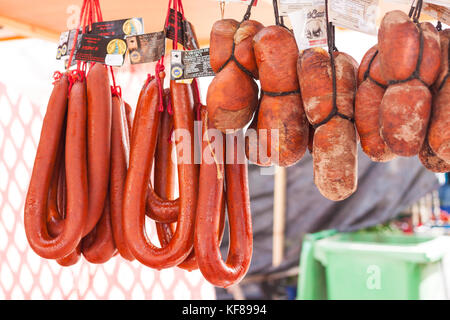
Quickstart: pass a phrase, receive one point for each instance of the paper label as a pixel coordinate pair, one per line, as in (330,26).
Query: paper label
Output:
(96,48)
(359,15)
(65,43)
(190,64)
(118,28)
(445,3)
(287,6)
(438,12)
(109,29)
(310,26)
(247,2)
(147,47)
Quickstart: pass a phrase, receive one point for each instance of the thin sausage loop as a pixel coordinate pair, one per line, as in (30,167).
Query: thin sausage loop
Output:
(142,151)
(207,241)
(76,174)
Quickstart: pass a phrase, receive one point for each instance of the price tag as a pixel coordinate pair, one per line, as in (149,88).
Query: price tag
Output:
(359,15)
(190,64)
(310,26)
(147,47)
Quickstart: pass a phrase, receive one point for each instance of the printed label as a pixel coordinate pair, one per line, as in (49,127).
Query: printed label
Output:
(438,12)
(65,43)
(110,29)
(310,26)
(118,28)
(96,48)
(147,47)
(359,15)
(247,2)
(190,64)
(288,6)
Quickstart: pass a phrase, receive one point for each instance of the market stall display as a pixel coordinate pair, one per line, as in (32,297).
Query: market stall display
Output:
(92,187)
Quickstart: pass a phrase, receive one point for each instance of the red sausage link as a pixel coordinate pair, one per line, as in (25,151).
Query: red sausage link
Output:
(217,272)
(120,150)
(76,176)
(161,209)
(166,231)
(99,141)
(71,259)
(98,246)
(142,151)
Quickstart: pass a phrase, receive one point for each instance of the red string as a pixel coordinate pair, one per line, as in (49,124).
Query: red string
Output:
(175,41)
(56,76)
(74,76)
(76,34)
(158,69)
(169,106)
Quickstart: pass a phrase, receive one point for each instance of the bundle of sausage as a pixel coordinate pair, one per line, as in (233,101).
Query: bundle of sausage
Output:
(328,96)
(74,199)
(393,103)
(281,135)
(199,215)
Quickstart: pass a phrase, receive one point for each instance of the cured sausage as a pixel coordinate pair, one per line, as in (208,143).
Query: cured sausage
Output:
(409,61)
(281,110)
(438,134)
(367,107)
(99,141)
(164,185)
(76,175)
(120,149)
(98,246)
(209,258)
(431,161)
(142,151)
(330,112)
(161,209)
(233,94)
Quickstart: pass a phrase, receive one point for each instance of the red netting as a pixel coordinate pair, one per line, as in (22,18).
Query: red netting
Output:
(23,274)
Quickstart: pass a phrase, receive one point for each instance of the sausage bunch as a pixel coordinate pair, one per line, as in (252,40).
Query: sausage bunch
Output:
(280,123)
(74,200)
(396,113)
(328,97)
(233,94)
(199,212)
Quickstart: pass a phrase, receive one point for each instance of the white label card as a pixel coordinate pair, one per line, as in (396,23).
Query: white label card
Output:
(310,26)
(359,15)
(438,12)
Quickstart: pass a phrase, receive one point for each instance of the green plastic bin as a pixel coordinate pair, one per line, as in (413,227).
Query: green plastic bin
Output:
(373,265)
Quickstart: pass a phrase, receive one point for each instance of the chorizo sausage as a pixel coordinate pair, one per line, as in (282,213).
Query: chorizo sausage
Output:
(438,134)
(76,175)
(160,209)
(98,246)
(136,185)
(431,161)
(120,149)
(99,141)
(367,108)
(331,113)
(409,61)
(233,94)
(212,176)
(281,110)
(164,185)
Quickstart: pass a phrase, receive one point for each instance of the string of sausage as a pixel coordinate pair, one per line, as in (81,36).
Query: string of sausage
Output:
(76,174)
(142,151)
(211,187)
